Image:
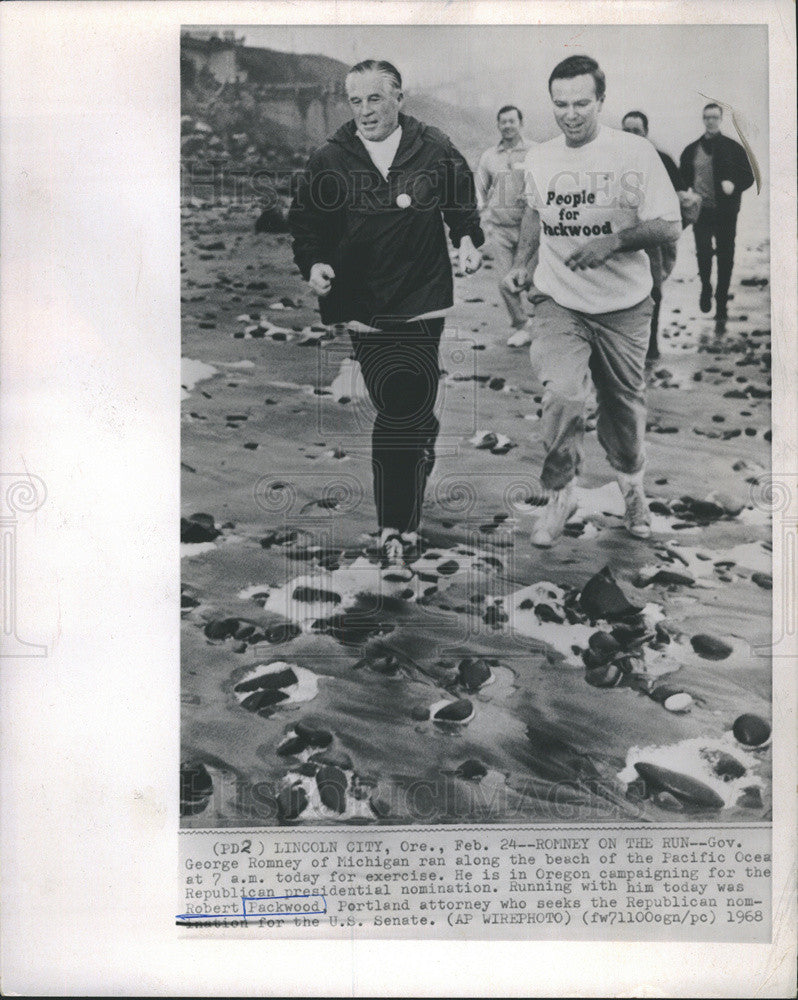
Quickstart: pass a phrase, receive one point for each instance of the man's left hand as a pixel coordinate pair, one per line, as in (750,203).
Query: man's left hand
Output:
(470,258)
(728,187)
(594,253)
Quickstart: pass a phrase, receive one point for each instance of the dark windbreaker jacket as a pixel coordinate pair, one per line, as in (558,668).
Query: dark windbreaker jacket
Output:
(391,262)
(729,163)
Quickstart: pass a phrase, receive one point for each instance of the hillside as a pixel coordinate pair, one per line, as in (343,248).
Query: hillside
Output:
(286,106)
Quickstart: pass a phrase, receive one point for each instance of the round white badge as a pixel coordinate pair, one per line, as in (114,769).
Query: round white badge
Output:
(403,200)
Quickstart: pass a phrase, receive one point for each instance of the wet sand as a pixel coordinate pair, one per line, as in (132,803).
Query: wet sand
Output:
(283,571)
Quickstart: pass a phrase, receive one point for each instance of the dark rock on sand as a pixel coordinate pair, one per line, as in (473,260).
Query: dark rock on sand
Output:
(763,580)
(291,747)
(473,673)
(602,598)
(455,711)
(334,758)
(224,628)
(728,767)
(687,790)
(472,769)
(313,735)
(332,784)
(292,801)
(278,679)
(196,788)
(262,701)
(198,528)
(751,730)
(709,647)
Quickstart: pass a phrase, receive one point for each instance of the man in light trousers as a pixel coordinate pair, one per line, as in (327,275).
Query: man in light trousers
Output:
(597,199)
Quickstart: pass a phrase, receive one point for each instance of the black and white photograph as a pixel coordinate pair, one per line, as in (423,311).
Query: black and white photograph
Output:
(399,498)
(476,425)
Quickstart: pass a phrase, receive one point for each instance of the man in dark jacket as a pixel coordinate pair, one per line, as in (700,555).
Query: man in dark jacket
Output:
(717,168)
(662,257)
(367,225)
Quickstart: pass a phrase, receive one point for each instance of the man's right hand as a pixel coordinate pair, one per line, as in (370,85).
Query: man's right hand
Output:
(516,280)
(321,279)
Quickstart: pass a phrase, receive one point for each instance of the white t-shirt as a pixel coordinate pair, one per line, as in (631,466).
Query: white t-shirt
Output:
(603,187)
(382,153)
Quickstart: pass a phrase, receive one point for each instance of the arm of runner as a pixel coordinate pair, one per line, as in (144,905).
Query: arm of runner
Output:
(518,277)
(482,181)
(645,235)
(470,257)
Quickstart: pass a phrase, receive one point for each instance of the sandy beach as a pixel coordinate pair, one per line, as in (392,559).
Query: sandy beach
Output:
(482,682)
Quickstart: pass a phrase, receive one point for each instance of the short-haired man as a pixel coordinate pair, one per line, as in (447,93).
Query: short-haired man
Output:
(717,168)
(663,257)
(367,222)
(500,189)
(597,199)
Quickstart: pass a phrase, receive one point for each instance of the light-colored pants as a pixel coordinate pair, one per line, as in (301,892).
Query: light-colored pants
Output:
(503,241)
(568,348)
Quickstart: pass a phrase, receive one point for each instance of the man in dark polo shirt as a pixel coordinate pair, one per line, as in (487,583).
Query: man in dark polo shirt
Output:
(367,222)
(717,168)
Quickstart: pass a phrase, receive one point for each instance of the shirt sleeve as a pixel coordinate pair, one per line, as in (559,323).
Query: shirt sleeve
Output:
(660,200)
(482,179)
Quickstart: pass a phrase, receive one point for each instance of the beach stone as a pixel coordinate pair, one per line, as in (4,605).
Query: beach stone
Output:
(474,673)
(728,767)
(751,730)
(472,769)
(313,735)
(710,647)
(610,675)
(334,758)
(262,701)
(669,802)
(193,530)
(420,713)
(545,613)
(278,679)
(604,645)
(751,798)
(292,801)
(456,711)
(679,702)
(662,692)
(196,788)
(282,632)
(636,790)
(293,746)
(763,580)
(307,768)
(332,784)
(602,598)
(688,790)
(496,616)
(223,628)
(311,595)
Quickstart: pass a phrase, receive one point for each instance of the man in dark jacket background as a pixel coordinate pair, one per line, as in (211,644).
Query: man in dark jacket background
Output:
(717,168)
(367,221)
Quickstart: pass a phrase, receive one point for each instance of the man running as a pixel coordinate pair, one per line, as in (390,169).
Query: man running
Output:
(717,168)
(597,199)
(500,188)
(367,222)
(661,258)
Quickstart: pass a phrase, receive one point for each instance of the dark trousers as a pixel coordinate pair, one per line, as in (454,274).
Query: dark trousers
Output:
(710,226)
(401,370)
